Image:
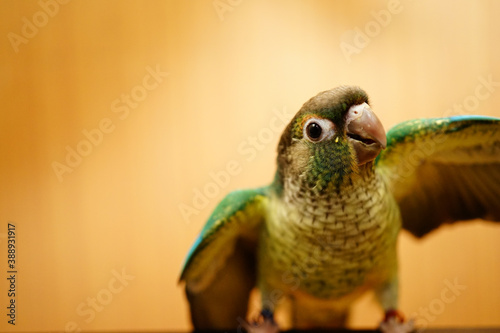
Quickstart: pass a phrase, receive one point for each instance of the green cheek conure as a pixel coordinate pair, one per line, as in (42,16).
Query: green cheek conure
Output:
(325,230)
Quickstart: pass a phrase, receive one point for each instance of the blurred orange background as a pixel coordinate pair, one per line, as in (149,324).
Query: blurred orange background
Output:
(117,114)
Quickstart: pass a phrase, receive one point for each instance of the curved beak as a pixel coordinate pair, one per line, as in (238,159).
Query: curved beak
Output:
(365,132)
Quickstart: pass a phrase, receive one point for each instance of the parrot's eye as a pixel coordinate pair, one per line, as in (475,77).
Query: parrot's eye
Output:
(314,131)
(317,129)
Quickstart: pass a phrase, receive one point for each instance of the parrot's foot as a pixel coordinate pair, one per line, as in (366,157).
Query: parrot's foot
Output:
(394,322)
(264,324)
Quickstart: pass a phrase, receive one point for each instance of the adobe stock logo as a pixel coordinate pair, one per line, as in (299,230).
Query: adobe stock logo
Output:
(248,149)
(428,314)
(122,107)
(89,309)
(429,147)
(30,28)
(482,92)
(354,41)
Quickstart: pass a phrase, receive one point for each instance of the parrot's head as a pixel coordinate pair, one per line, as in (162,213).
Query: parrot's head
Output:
(334,136)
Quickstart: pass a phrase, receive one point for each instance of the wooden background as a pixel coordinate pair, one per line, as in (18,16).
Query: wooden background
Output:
(226,71)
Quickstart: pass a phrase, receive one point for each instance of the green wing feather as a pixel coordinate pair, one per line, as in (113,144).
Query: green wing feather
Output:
(443,170)
(219,270)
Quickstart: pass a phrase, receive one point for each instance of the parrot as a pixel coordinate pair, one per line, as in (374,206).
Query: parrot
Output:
(325,231)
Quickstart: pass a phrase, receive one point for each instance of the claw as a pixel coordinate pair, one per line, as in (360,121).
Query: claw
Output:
(393,314)
(394,322)
(264,324)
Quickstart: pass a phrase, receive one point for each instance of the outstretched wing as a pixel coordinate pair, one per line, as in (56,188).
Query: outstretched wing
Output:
(220,269)
(443,170)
